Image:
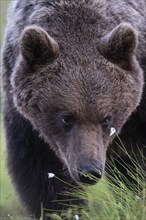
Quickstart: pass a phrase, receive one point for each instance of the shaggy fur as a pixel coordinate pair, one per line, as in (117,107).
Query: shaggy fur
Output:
(71,71)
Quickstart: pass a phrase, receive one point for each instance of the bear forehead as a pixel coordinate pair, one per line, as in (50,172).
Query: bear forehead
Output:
(86,91)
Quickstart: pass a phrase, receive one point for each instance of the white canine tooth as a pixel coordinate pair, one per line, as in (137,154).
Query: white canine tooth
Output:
(112,131)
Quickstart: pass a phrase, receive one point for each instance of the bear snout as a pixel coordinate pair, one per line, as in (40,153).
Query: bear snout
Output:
(89,174)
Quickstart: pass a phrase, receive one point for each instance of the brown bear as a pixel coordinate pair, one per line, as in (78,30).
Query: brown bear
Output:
(73,77)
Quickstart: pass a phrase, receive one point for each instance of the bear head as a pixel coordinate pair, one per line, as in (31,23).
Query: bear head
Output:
(76,99)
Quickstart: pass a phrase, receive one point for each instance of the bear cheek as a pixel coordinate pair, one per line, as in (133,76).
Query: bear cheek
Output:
(21,105)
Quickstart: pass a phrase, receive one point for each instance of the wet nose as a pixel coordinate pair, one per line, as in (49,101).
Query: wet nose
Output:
(89,175)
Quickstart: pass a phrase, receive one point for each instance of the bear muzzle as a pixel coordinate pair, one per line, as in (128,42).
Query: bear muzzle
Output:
(89,174)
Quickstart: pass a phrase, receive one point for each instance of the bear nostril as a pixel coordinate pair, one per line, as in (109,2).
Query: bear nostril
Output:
(90,176)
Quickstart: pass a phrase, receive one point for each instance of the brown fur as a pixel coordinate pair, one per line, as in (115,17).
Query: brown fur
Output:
(72,70)
(88,96)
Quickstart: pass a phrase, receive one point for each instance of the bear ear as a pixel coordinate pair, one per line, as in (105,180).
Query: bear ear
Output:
(119,45)
(37,47)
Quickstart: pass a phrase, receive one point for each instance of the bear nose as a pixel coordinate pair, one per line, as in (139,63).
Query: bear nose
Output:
(90,175)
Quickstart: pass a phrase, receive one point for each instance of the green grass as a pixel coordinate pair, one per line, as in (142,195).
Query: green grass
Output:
(106,201)
(111,199)
(9,205)
(3,12)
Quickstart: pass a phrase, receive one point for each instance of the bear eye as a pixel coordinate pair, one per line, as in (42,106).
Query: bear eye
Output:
(67,121)
(106,121)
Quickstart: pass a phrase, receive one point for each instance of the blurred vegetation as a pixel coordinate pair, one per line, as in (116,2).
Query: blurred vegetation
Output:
(105,200)
(3,12)
(9,204)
